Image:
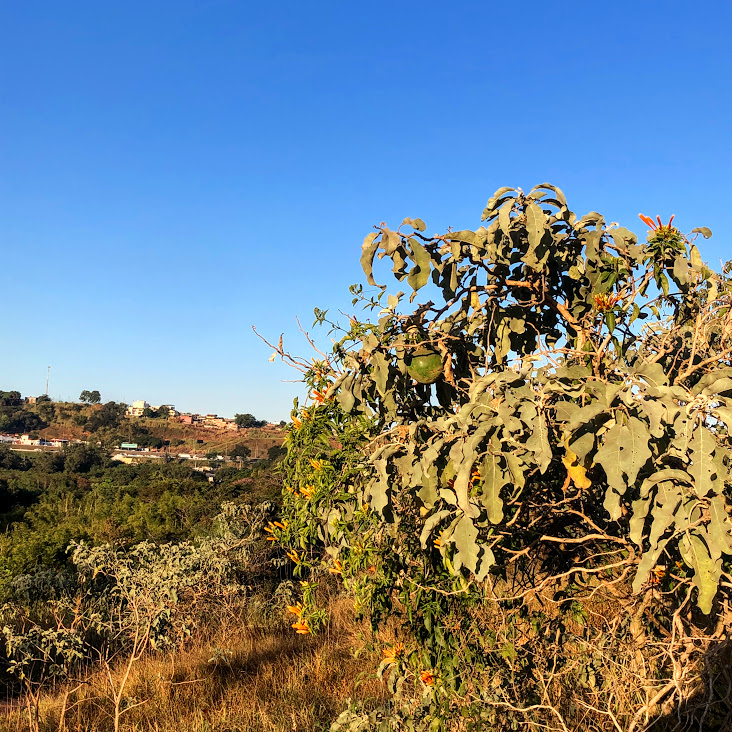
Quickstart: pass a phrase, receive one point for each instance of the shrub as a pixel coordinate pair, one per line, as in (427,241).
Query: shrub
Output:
(529,471)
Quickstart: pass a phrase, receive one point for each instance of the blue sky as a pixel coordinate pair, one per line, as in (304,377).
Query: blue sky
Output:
(173,172)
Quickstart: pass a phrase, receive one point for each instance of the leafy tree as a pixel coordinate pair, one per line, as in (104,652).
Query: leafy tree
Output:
(10,398)
(49,462)
(90,397)
(214,459)
(544,437)
(240,451)
(11,460)
(106,417)
(248,420)
(141,436)
(145,586)
(18,421)
(46,410)
(276,452)
(112,606)
(81,458)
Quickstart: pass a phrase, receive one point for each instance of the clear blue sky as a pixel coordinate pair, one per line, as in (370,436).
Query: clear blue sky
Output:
(174,171)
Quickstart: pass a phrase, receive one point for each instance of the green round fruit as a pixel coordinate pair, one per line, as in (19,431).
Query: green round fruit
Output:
(425,365)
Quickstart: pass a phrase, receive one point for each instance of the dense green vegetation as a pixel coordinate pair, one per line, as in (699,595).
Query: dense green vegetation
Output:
(49,499)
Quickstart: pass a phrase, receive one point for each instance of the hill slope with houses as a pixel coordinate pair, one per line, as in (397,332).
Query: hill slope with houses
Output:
(41,423)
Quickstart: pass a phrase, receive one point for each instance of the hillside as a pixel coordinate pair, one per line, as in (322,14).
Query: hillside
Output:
(108,424)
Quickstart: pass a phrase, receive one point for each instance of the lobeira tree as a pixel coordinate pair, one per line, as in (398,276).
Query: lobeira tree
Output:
(531,466)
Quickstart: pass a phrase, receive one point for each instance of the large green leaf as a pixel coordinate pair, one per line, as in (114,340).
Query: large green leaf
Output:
(466,456)
(703,467)
(535,226)
(419,274)
(609,456)
(465,538)
(667,501)
(368,250)
(636,452)
(345,394)
(643,503)
(585,415)
(380,371)
(493,479)
(623,453)
(538,442)
(720,529)
(707,571)
(716,382)
(652,373)
(647,563)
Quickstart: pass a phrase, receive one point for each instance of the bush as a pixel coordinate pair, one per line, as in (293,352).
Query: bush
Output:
(529,471)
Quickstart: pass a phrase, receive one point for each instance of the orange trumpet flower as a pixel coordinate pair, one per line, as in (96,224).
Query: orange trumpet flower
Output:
(301,627)
(295,609)
(393,654)
(428,678)
(655,226)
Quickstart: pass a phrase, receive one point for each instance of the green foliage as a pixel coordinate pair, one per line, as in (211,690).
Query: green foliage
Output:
(43,508)
(109,415)
(90,397)
(10,399)
(248,420)
(11,460)
(240,451)
(572,432)
(17,420)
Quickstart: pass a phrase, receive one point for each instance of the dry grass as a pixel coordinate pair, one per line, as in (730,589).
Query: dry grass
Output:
(238,677)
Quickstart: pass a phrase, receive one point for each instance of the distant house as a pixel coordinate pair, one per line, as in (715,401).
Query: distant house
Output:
(213,421)
(131,457)
(137,408)
(26,440)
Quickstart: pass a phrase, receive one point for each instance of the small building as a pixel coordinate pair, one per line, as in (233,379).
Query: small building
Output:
(132,457)
(26,440)
(137,408)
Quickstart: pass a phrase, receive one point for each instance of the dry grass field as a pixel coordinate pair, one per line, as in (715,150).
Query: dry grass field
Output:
(237,675)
